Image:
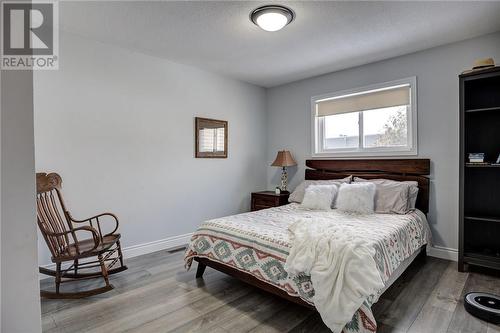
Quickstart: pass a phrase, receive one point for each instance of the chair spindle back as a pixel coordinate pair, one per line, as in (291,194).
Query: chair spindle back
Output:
(52,218)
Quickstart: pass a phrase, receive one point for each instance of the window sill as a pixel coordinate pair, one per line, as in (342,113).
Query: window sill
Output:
(364,154)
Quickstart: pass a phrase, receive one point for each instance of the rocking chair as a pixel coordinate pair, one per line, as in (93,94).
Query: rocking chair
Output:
(57,227)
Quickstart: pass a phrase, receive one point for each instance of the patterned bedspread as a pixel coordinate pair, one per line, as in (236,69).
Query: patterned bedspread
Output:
(258,243)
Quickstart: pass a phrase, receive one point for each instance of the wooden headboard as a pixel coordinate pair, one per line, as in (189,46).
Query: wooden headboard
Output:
(395,169)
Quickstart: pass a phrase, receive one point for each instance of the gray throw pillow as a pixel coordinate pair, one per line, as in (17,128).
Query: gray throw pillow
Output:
(393,196)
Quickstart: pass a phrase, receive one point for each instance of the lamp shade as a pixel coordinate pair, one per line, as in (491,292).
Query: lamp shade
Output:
(284,159)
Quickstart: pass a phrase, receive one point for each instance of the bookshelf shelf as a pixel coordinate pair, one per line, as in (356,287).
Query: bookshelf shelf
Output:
(481,259)
(482,218)
(496,108)
(467,165)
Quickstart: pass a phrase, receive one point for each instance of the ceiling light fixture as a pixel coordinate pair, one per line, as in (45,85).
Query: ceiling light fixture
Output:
(272,17)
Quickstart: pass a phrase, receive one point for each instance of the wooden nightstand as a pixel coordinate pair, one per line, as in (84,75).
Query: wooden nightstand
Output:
(268,199)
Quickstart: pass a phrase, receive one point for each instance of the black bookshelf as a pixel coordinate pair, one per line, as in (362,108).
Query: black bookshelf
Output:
(479,225)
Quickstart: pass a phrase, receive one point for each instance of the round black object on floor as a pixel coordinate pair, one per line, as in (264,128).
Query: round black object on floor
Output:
(483,305)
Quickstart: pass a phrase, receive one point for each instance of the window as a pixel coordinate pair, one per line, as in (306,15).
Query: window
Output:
(379,120)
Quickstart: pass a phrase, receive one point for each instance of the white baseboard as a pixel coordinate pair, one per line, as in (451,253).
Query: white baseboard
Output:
(443,252)
(162,244)
(145,248)
(180,240)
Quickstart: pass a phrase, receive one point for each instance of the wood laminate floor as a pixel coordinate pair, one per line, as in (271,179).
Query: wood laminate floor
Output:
(156,294)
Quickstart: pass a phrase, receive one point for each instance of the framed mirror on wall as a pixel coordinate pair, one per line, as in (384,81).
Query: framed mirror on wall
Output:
(210,138)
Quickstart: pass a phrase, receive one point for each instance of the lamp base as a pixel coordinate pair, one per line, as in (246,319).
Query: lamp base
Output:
(284,180)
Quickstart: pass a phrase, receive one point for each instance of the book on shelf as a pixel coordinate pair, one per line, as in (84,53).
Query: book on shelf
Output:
(476,157)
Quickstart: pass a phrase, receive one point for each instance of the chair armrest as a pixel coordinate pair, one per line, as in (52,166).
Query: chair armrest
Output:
(95,236)
(96,218)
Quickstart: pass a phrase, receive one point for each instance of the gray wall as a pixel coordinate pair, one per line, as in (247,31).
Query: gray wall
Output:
(19,277)
(118,127)
(438,137)
(123,132)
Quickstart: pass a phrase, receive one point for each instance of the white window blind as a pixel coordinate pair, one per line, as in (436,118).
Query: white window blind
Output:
(370,100)
(219,139)
(211,140)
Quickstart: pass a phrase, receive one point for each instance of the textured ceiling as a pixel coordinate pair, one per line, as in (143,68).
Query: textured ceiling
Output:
(325,37)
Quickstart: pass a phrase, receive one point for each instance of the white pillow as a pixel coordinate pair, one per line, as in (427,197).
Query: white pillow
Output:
(356,198)
(319,197)
(298,194)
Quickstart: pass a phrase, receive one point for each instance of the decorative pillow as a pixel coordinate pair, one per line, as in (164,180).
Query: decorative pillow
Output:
(413,194)
(393,196)
(356,198)
(298,194)
(319,197)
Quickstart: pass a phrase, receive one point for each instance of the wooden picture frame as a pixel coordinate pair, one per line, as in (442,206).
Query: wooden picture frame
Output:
(207,136)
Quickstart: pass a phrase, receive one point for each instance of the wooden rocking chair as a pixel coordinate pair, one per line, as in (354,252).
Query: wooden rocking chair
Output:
(57,227)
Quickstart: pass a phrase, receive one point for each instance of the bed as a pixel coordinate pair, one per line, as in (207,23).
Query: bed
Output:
(253,247)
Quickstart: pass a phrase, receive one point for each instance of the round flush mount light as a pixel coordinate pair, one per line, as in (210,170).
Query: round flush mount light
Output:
(272,17)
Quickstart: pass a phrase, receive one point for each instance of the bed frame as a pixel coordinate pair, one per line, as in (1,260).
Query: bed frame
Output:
(395,169)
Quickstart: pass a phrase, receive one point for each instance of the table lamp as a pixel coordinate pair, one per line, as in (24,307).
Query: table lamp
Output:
(284,159)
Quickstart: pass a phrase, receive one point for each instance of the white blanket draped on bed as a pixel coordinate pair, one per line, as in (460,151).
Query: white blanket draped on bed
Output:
(341,265)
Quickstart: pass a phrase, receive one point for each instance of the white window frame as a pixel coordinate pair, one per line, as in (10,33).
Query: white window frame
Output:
(317,126)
